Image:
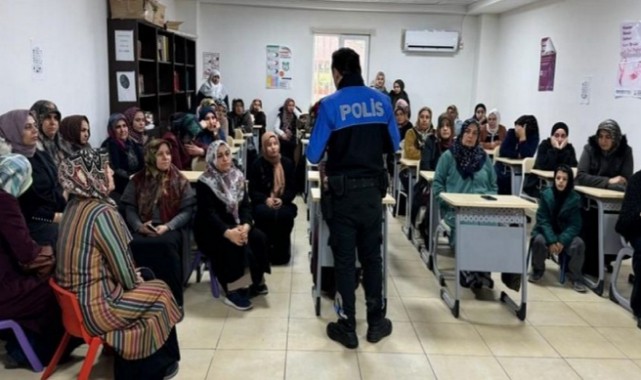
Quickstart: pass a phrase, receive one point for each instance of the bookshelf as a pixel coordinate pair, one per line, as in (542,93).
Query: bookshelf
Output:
(160,63)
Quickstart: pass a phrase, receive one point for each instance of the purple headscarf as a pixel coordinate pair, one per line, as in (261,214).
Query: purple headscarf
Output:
(12,127)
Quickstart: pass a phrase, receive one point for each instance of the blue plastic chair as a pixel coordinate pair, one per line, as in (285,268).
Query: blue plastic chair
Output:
(24,343)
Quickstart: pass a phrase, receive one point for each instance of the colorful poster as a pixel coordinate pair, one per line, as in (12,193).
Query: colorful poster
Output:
(629,73)
(279,67)
(548,65)
(211,62)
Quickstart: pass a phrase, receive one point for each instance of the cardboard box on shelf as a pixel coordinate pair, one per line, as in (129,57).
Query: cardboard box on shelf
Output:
(173,25)
(159,14)
(136,9)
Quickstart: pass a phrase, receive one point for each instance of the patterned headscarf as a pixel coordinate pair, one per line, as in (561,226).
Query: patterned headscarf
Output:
(153,187)
(15,174)
(612,127)
(135,136)
(12,127)
(70,133)
(228,186)
(51,145)
(84,174)
(279,174)
(468,160)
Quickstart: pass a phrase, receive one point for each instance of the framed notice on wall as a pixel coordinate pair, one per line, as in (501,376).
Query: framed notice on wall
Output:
(279,67)
(628,82)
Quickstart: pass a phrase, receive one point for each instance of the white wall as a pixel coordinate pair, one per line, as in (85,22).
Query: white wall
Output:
(241,33)
(586,36)
(73,35)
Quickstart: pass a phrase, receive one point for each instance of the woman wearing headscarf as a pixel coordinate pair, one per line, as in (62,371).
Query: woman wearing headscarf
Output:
(379,82)
(552,152)
(134,316)
(272,191)
(629,226)
(43,203)
(209,133)
(256,110)
(558,224)
(286,126)
(493,134)
(606,161)
(212,88)
(184,128)
(433,149)
(25,267)
(125,156)
(159,202)
(479,114)
(464,168)
(75,133)
(416,137)
(136,123)
(48,119)
(397,93)
(224,229)
(520,142)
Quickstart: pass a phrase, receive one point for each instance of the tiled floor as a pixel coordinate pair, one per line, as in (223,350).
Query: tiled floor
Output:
(566,335)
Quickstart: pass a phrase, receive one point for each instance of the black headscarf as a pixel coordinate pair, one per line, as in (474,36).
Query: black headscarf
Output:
(468,160)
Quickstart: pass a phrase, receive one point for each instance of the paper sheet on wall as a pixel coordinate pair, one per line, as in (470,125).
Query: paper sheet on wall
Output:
(124,41)
(211,62)
(37,62)
(547,68)
(586,90)
(628,82)
(279,67)
(126,83)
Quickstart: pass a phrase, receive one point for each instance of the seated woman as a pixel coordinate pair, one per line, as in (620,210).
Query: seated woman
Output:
(25,267)
(223,117)
(256,110)
(241,119)
(379,82)
(210,131)
(552,152)
(558,224)
(629,226)
(493,134)
(286,127)
(184,128)
(520,142)
(43,203)
(272,191)
(224,231)
(434,147)
(415,138)
(464,168)
(398,92)
(136,121)
(48,119)
(125,156)
(479,114)
(135,317)
(402,121)
(606,161)
(75,132)
(213,88)
(159,202)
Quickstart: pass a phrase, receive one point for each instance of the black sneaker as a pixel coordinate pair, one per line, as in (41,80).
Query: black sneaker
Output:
(171,371)
(535,276)
(342,333)
(379,330)
(258,290)
(238,301)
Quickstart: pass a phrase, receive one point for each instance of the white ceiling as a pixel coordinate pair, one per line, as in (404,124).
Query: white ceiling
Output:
(473,7)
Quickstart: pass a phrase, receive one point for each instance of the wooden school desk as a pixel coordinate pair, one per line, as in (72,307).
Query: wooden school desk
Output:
(411,166)
(324,251)
(516,175)
(490,237)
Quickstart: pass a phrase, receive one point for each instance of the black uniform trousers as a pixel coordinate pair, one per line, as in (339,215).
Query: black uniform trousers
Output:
(354,221)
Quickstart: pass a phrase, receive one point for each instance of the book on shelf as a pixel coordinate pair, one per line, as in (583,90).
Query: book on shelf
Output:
(141,84)
(163,48)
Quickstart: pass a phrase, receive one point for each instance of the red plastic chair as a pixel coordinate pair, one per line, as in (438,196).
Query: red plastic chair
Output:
(74,326)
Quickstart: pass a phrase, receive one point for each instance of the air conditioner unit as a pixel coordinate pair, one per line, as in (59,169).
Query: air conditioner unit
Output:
(430,41)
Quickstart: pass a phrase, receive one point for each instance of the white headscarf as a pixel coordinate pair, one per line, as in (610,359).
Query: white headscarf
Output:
(493,131)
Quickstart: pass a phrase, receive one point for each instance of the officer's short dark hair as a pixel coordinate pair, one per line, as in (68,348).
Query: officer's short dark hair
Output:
(346,61)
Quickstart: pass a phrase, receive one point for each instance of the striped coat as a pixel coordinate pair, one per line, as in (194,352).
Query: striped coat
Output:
(95,263)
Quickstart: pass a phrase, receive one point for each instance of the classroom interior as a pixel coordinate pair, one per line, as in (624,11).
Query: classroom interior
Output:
(565,335)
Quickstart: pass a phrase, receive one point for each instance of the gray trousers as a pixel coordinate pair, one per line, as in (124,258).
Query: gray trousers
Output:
(576,252)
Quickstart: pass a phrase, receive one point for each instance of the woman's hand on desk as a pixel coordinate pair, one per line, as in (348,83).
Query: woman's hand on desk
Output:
(618,180)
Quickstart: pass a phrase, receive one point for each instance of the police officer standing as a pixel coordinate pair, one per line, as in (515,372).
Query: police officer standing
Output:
(356,126)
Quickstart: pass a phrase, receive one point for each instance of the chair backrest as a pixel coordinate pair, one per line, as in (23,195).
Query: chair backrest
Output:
(238,133)
(495,155)
(198,164)
(230,141)
(526,168)
(71,314)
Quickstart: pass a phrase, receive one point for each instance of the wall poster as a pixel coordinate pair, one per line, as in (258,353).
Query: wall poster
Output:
(548,65)
(211,62)
(629,73)
(279,67)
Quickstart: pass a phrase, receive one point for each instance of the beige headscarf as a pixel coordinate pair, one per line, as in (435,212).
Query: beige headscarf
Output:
(279,174)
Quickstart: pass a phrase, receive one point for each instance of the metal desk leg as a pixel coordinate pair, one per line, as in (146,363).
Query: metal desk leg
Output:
(321,252)
(597,286)
(408,206)
(520,310)
(384,253)
(454,303)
